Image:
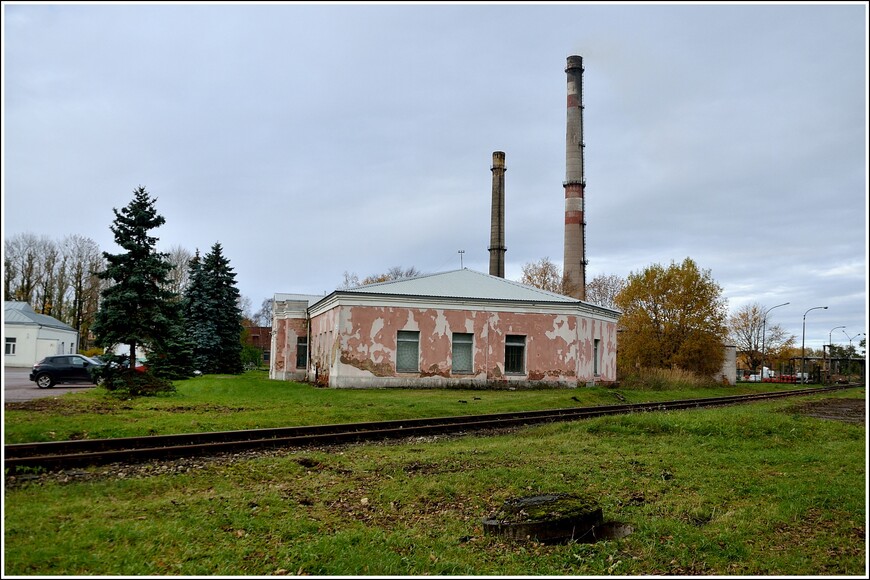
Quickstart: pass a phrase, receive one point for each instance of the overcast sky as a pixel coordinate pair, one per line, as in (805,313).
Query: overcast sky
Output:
(314,139)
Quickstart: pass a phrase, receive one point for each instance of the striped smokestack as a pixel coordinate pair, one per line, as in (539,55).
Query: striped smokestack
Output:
(575,183)
(496,235)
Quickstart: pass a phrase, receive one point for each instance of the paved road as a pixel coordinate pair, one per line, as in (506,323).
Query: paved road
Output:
(18,387)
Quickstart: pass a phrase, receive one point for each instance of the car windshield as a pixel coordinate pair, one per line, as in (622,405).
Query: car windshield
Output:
(93,361)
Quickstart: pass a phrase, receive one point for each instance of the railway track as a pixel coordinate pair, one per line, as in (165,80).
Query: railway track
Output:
(66,454)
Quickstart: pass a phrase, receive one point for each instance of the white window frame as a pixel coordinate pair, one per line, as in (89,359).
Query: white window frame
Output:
(463,340)
(404,341)
(515,340)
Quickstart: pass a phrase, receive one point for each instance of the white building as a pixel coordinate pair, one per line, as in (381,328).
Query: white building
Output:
(29,337)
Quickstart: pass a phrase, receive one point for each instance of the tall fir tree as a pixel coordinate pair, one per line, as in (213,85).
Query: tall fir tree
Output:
(213,315)
(133,310)
(172,357)
(201,326)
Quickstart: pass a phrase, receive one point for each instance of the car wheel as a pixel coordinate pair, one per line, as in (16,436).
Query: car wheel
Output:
(44,381)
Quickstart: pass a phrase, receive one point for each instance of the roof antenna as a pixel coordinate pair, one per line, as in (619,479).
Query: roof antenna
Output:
(460,259)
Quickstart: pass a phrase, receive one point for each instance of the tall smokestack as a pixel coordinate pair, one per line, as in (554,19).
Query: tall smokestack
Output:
(575,183)
(496,235)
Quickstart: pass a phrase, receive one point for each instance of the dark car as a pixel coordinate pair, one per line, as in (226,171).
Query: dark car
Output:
(65,368)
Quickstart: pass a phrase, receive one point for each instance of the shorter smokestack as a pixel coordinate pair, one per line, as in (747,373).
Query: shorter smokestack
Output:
(496,236)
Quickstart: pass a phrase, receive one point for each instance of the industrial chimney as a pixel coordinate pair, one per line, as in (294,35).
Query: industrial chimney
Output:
(496,236)
(575,183)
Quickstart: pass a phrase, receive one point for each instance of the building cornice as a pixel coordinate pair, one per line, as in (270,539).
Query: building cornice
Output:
(371,299)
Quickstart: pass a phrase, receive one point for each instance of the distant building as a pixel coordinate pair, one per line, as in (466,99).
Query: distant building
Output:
(260,337)
(458,328)
(29,337)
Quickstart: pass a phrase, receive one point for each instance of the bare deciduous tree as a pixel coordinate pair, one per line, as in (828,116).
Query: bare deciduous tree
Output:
(179,258)
(546,275)
(22,259)
(351,280)
(263,317)
(394,273)
(746,329)
(603,290)
(85,260)
(56,278)
(245,307)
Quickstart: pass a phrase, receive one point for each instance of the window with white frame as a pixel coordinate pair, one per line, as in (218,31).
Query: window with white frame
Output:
(10,345)
(462,352)
(408,351)
(515,354)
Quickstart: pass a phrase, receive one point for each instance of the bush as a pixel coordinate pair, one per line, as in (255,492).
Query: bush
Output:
(132,383)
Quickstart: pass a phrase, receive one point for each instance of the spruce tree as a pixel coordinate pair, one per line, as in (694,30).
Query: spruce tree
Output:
(224,300)
(214,319)
(172,357)
(201,327)
(133,309)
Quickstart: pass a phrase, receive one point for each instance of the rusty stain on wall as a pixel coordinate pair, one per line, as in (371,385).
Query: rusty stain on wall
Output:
(377,369)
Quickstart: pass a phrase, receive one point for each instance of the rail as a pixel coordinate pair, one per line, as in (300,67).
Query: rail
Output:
(66,454)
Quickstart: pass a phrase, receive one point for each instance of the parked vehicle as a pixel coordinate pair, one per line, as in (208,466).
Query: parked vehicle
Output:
(65,368)
(122,362)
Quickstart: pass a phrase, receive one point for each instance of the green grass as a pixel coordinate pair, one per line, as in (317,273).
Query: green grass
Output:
(252,401)
(752,489)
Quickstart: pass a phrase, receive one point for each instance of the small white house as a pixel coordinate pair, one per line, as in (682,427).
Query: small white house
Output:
(29,337)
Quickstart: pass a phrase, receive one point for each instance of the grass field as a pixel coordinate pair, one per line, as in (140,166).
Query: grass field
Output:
(252,401)
(756,489)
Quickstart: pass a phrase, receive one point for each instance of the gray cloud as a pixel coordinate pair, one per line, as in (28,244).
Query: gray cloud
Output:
(314,139)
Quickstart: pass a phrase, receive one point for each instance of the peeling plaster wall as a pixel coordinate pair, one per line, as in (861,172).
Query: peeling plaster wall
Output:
(322,346)
(354,346)
(289,322)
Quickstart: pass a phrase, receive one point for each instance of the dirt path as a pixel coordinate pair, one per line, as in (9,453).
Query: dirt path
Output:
(847,410)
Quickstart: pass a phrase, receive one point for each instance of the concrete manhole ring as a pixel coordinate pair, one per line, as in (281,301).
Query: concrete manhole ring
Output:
(552,518)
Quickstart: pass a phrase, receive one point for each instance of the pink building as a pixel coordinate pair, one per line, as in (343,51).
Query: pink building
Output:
(458,328)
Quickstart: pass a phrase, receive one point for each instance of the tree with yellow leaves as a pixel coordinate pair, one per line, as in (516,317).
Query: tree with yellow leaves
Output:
(672,317)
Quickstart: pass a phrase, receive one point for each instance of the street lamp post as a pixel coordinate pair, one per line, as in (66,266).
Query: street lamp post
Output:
(763,328)
(831,351)
(803,342)
(849,354)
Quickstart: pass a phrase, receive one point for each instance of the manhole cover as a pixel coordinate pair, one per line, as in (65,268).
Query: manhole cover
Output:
(549,518)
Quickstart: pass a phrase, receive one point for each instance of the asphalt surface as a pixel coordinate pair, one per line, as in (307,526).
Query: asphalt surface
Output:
(17,386)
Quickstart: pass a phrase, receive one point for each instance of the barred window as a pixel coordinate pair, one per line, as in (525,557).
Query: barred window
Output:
(515,354)
(408,351)
(462,352)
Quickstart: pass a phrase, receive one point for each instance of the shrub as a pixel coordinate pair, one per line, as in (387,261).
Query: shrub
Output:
(133,383)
